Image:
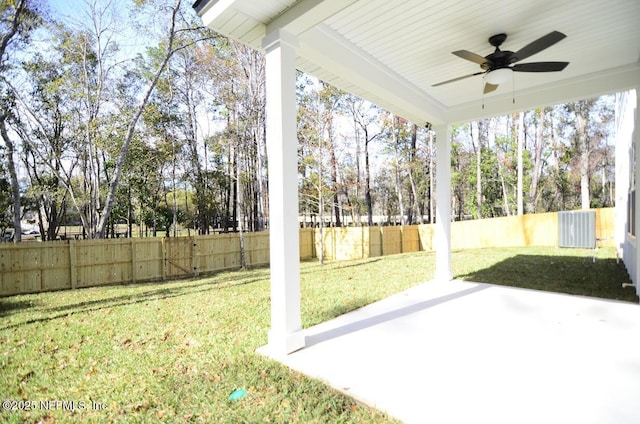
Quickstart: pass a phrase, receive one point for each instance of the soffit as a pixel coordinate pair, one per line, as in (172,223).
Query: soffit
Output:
(392,52)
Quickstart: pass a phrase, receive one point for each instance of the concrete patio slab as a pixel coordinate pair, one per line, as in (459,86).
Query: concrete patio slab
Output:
(461,352)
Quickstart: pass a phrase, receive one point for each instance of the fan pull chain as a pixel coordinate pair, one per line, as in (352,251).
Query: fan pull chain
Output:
(482,92)
(513,87)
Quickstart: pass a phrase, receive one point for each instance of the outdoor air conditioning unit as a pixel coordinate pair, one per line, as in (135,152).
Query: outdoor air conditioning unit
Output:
(577,229)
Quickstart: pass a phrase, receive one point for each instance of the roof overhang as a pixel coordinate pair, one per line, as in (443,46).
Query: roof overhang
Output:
(392,52)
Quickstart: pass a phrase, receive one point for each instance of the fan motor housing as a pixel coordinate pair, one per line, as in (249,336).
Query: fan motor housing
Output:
(499,59)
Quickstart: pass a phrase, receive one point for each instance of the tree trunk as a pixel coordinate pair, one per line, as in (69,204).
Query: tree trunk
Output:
(520,140)
(581,133)
(431,217)
(262,184)
(367,179)
(320,213)
(505,192)
(477,146)
(537,163)
(356,211)
(15,185)
(333,172)
(398,180)
(226,213)
(243,254)
(559,194)
(414,210)
(174,189)
(235,188)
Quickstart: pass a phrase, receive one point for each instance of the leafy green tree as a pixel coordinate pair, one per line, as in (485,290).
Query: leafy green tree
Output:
(18,19)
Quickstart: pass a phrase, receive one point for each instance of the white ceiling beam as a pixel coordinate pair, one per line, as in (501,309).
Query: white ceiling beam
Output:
(306,14)
(325,48)
(583,87)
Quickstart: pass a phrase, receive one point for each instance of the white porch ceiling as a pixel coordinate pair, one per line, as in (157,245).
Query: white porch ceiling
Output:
(391,52)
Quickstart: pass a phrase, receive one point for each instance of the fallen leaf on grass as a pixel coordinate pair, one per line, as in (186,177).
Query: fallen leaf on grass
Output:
(91,372)
(143,405)
(45,420)
(27,376)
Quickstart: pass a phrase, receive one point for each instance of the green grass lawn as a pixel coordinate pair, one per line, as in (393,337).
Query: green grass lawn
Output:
(174,351)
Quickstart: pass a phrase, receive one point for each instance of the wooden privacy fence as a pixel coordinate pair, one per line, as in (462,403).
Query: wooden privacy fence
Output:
(511,231)
(59,265)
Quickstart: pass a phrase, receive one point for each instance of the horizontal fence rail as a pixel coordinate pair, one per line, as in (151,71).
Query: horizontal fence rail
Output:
(59,265)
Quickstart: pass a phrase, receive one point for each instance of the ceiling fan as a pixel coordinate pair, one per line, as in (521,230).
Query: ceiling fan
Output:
(500,65)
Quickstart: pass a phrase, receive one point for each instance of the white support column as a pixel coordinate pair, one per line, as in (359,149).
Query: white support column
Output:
(285,335)
(636,141)
(443,203)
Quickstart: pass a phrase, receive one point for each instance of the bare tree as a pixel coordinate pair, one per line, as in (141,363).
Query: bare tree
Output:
(364,116)
(537,151)
(476,142)
(520,140)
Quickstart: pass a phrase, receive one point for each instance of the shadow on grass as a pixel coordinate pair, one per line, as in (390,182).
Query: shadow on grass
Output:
(124,300)
(563,274)
(337,310)
(337,264)
(10,305)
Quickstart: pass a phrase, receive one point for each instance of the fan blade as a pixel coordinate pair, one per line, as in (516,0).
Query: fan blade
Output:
(488,88)
(540,67)
(457,79)
(475,58)
(538,45)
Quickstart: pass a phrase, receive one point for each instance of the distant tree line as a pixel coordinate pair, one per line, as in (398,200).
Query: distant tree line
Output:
(131,113)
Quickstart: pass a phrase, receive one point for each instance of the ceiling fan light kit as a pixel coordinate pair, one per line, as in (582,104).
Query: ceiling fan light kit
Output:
(498,76)
(499,66)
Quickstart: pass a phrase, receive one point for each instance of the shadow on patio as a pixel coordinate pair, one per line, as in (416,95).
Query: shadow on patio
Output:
(355,322)
(456,351)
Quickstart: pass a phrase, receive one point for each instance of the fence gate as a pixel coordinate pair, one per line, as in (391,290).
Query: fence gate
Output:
(180,257)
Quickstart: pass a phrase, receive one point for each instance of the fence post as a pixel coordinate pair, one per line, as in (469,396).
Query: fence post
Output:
(72,264)
(163,259)
(42,268)
(133,259)
(194,255)
(314,248)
